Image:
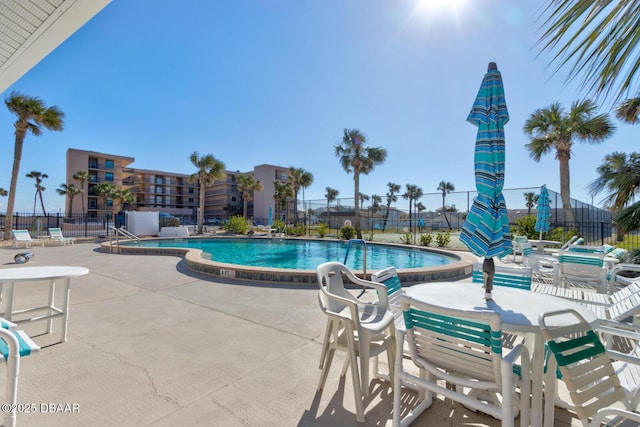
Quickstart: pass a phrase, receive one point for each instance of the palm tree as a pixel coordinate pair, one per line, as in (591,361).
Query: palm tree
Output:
(445,188)
(33,115)
(553,129)
(298,178)
(69,191)
(38,176)
(106,190)
(392,197)
(209,169)
(629,111)
(247,185)
(530,199)
(618,174)
(356,157)
(413,193)
(282,191)
(419,208)
(363,198)
(82,177)
(331,194)
(121,197)
(598,38)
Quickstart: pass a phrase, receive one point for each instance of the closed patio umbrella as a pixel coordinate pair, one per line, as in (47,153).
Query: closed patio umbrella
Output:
(542,219)
(270,219)
(486,230)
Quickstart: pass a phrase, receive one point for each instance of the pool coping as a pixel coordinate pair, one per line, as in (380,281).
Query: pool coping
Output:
(456,270)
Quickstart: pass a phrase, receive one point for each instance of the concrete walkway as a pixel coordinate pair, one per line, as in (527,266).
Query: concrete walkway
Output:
(150,343)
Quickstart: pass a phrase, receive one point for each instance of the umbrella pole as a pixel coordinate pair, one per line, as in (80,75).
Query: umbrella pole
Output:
(488,272)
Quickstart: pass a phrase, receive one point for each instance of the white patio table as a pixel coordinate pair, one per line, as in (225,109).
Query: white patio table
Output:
(540,244)
(519,310)
(50,274)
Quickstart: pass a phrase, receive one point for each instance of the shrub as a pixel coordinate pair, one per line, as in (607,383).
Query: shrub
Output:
(297,230)
(237,224)
(425,239)
(370,234)
(407,239)
(323,229)
(347,232)
(279,226)
(443,238)
(525,226)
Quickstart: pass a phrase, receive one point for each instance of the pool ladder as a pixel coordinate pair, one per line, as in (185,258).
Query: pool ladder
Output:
(364,255)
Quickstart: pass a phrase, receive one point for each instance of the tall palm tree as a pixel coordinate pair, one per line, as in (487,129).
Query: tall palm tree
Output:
(355,156)
(247,185)
(392,197)
(552,129)
(412,193)
(38,176)
(209,169)
(106,190)
(619,175)
(282,191)
(298,178)
(598,40)
(445,188)
(32,115)
(121,197)
(82,177)
(363,198)
(330,194)
(530,200)
(70,191)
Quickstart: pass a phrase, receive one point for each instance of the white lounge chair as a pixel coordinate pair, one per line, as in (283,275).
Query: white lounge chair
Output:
(57,237)
(22,237)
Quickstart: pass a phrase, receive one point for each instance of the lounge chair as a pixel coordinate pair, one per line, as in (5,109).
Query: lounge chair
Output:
(22,237)
(595,383)
(57,237)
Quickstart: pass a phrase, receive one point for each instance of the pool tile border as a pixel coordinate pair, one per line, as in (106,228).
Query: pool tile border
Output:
(194,260)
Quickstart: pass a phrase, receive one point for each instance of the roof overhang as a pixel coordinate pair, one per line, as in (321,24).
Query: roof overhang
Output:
(31,29)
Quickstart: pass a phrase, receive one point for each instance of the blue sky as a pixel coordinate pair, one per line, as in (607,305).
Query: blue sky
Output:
(275,81)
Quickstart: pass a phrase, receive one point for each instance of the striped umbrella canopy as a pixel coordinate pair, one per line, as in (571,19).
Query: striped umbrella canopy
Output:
(486,230)
(542,220)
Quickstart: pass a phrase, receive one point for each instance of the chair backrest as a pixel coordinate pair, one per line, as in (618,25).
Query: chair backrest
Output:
(519,278)
(55,233)
(22,235)
(585,366)
(389,277)
(568,242)
(617,252)
(586,249)
(586,266)
(330,281)
(466,343)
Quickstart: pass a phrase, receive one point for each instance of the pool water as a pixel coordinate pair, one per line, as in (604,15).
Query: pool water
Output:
(304,254)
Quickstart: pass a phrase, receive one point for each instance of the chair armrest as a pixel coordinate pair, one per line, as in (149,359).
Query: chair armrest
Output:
(353,306)
(382,289)
(521,352)
(600,416)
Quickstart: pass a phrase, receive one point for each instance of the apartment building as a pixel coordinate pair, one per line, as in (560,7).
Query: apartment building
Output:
(168,191)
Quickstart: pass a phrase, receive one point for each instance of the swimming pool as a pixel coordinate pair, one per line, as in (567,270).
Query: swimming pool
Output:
(304,254)
(419,264)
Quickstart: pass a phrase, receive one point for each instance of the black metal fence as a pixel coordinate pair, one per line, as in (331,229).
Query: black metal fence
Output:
(72,226)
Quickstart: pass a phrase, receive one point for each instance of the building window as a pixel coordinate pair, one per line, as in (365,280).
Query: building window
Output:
(93,204)
(108,176)
(233,198)
(109,202)
(108,164)
(93,163)
(190,190)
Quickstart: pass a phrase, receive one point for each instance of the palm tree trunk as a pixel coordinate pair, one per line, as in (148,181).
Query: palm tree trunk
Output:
(17,157)
(44,212)
(356,180)
(565,193)
(386,217)
(201,210)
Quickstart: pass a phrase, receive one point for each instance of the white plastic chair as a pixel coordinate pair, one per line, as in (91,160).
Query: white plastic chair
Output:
(56,236)
(590,376)
(359,328)
(464,349)
(581,270)
(22,237)
(542,266)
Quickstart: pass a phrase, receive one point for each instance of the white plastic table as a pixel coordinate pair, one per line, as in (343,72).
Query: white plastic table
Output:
(519,310)
(50,274)
(540,244)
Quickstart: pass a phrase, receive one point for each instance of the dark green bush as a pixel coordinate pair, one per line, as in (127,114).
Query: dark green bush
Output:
(323,229)
(347,232)
(407,239)
(236,224)
(297,230)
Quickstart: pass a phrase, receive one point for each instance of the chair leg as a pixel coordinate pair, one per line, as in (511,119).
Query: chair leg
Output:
(364,367)
(325,343)
(355,376)
(325,369)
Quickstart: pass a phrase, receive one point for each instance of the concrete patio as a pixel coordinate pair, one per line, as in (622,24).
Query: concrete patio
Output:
(151,343)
